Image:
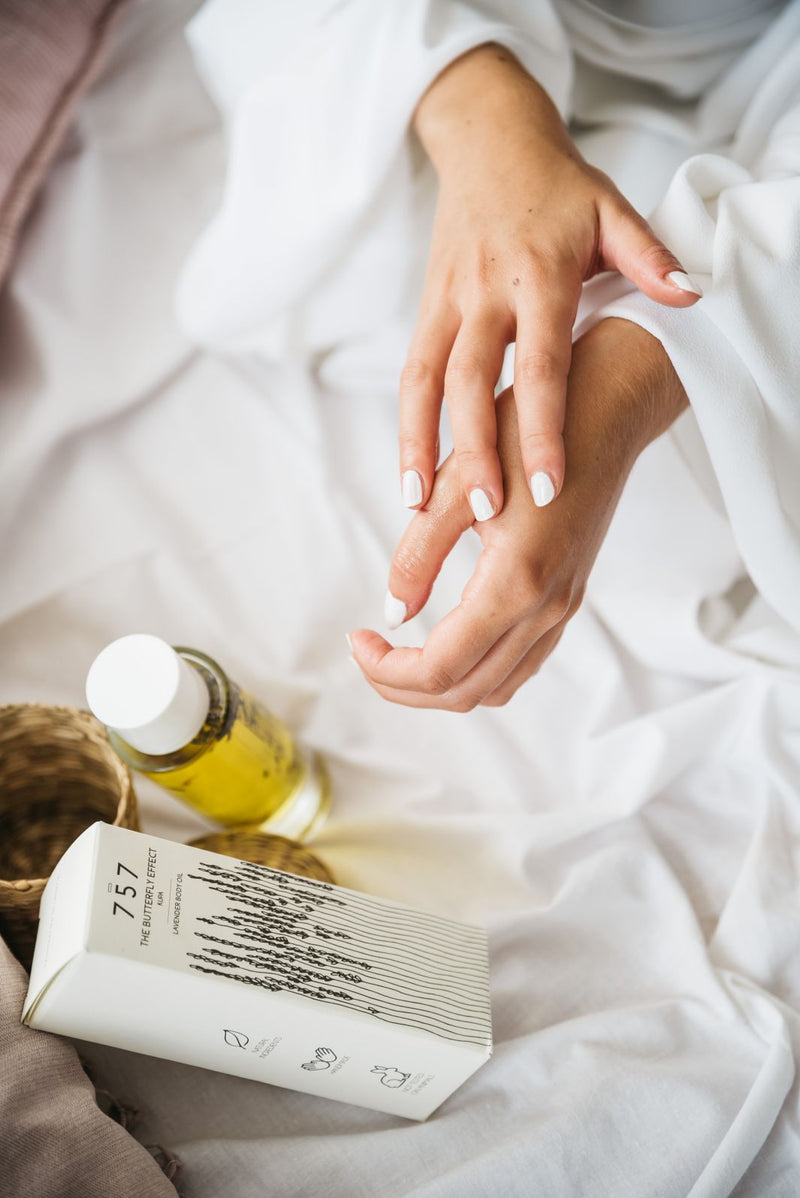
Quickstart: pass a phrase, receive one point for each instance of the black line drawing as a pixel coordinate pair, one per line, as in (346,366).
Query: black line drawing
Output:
(390,1076)
(236,1039)
(280,933)
(323,1059)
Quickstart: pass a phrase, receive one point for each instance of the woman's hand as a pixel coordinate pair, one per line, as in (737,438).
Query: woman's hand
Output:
(531,575)
(522,220)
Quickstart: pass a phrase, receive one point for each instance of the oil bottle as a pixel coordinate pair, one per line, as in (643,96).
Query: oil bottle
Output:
(173,715)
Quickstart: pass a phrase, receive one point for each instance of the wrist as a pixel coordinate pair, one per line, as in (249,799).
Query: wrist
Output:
(623,392)
(482,93)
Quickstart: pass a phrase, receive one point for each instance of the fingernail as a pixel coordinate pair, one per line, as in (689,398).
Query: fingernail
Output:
(394,611)
(682,280)
(411,488)
(349,641)
(481,504)
(542,489)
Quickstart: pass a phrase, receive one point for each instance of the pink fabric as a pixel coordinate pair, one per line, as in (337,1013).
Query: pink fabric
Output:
(49,53)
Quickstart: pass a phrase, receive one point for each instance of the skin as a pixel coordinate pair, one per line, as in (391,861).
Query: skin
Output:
(622,392)
(521,222)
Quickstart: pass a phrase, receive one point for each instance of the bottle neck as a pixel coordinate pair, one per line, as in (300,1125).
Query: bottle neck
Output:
(217,682)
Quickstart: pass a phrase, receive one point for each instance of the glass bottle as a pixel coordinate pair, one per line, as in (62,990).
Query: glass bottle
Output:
(173,715)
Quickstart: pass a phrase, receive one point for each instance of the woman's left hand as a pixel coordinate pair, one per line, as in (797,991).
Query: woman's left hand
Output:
(531,575)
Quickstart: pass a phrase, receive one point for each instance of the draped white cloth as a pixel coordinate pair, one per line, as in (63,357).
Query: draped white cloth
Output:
(628,827)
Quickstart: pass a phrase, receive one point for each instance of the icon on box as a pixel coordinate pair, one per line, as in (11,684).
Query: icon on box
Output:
(392,1077)
(323,1059)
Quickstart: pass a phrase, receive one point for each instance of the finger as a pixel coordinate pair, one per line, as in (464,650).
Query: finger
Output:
(457,643)
(477,683)
(541,365)
(427,541)
(525,669)
(421,391)
(629,245)
(472,373)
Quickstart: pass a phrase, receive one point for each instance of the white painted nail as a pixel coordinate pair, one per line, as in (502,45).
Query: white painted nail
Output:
(542,489)
(411,488)
(481,504)
(349,641)
(682,280)
(353,662)
(394,611)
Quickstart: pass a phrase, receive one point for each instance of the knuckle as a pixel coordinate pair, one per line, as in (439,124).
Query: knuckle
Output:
(657,257)
(407,570)
(465,704)
(601,179)
(576,599)
(469,457)
(558,605)
(417,375)
(539,440)
(437,679)
(539,267)
(462,369)
(498,698)
(534,593)
(482,277)
(412,447)
(541,366)
(526,593)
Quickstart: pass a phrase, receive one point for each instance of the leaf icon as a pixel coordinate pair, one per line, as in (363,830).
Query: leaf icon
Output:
(236,1039)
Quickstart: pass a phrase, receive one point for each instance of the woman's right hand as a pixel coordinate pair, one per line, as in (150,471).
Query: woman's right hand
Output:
(521,222)
(533,569)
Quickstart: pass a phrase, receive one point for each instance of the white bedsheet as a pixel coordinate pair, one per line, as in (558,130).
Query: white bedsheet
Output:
(627,828)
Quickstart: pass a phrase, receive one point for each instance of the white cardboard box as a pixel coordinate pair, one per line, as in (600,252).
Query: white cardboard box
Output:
(171,951)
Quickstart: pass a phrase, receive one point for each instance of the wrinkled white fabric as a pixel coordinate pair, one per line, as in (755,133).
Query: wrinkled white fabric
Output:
(280,275)
(627,828)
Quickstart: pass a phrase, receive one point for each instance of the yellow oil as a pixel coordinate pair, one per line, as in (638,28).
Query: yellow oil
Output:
(243,768)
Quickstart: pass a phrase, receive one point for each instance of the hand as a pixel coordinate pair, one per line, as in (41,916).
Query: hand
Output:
(522,220)
(532,572)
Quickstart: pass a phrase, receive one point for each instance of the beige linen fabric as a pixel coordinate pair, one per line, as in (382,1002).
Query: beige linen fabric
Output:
(55,1142)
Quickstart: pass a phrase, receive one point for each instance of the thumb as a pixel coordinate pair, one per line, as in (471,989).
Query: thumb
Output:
(630,246)
(429,537)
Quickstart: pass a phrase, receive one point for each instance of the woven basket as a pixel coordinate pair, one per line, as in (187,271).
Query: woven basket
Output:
(275,851)
(58,774)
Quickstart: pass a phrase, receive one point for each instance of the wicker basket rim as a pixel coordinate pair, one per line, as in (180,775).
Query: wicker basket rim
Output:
(90,727)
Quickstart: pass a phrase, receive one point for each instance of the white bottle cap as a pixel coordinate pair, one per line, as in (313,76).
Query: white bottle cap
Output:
(148,693)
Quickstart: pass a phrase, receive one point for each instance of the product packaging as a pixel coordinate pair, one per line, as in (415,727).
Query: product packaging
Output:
(174,715)
(171,951)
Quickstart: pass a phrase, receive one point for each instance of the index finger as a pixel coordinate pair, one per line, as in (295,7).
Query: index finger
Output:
(458,642)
